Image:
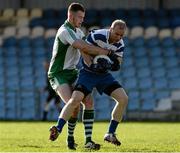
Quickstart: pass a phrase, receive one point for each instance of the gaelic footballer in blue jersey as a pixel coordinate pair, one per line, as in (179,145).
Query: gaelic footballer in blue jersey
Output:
(104,82)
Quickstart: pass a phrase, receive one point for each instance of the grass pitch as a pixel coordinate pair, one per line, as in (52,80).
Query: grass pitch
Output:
(135,137)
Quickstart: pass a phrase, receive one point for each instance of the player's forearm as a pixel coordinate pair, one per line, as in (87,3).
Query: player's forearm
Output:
(89,49)
(93,50)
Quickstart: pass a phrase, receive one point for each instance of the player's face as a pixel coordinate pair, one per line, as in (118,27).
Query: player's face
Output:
(116,34)
(78,18)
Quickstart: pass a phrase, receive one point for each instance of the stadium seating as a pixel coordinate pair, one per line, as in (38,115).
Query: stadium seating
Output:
(150,70)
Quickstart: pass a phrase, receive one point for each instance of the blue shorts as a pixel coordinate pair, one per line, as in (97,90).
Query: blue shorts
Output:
(104,83)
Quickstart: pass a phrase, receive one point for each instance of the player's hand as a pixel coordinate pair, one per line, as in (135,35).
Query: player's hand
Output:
(102,66)
(114,57)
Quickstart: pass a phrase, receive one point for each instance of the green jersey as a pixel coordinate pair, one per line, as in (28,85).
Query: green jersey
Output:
(65,56)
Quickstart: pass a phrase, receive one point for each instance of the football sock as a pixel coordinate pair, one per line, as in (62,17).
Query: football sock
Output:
(60,124)
(113,125)
(71,126)
(88,119)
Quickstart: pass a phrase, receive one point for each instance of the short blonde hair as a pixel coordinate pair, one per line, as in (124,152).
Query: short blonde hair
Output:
(120,23)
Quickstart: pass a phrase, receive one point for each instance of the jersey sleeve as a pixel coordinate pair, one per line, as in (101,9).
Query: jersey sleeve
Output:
(67,36)
(90,39)
(120,50)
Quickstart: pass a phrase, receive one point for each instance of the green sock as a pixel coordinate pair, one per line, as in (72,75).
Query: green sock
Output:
(88,120)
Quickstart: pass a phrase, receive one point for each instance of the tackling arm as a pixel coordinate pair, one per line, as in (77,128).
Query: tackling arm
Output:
(89,49)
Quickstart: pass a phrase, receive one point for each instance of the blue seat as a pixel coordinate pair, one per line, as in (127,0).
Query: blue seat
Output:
(148,105)
(36,22)
(134,13)
(152,42)
(142,62)
(163,23)
(50,42)
(161,83)
(129,72)
(145,83)
(156,62)
(40,82)
(161,94)
(120,14)
(133,105)
(49,13)
(140,52)
(10,61)
(149,94)
(26,61)
(105,21)
(173,72)
(91,17)
(175,21)
(38,42)
(155,52)
(103,115)
(174,83)
(161,13)
(138,42)
(167,42)
(134,21)
(143,72)
(39,52)
(24,42)
(10,42)
(149,13)
(25,52)
(127,62)
(172,62)
(50,23)
(177,42)
(2,110)
(174,12)
(10,51)
(169,52)
(150,21)
(27,83)
(26,72)
(158,72)
(128,52)
(12,84)
(130,83)
(133,94)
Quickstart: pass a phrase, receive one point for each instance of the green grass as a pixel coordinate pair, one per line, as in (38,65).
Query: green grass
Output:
(135,137)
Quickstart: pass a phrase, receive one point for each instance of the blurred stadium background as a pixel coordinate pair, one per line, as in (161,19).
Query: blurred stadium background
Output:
(150,72)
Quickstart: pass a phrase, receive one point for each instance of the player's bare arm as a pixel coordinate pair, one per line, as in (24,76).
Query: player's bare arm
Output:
(90,49)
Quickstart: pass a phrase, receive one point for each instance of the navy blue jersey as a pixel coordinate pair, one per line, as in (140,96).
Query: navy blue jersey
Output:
(100,38)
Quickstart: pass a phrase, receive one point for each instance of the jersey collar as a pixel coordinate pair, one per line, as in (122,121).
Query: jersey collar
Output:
(69,25)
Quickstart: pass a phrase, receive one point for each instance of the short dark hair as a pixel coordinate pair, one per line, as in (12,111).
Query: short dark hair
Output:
(74,7)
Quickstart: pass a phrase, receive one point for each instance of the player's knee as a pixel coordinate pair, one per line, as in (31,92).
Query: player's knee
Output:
(75,101)
(124,100)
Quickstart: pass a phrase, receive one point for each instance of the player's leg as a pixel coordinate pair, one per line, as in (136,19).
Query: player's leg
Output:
(121,99)
(65,92)
(62,85)
(88,120)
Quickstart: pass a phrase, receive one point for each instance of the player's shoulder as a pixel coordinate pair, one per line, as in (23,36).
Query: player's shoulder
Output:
(62,30)
(100,34)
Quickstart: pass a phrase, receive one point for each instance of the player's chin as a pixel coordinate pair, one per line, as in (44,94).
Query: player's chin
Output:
(79,25)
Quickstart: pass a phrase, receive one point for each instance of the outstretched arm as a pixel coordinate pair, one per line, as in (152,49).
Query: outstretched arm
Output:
(88,48)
